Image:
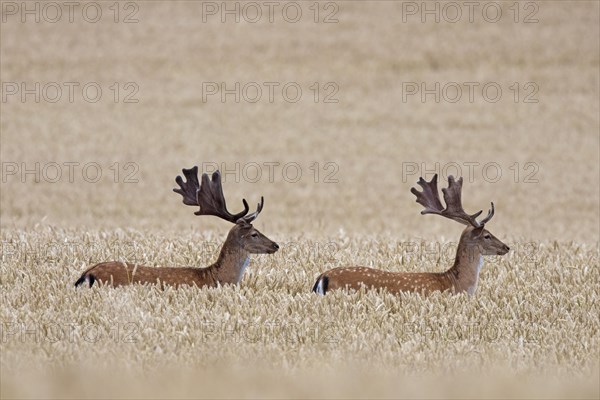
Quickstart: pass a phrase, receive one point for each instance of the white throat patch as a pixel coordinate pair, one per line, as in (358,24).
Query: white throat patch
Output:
(243,268)
(479,265)
(471,289)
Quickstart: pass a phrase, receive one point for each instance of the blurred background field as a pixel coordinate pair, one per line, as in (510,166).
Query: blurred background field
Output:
(358,158)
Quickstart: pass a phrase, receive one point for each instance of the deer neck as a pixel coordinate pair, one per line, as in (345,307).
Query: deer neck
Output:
(231,264)
(464,274)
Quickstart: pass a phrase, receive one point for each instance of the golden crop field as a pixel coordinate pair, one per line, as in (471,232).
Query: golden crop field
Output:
(331,111)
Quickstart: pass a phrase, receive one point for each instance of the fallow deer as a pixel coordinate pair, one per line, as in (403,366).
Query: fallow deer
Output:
(243,239)
(475,242)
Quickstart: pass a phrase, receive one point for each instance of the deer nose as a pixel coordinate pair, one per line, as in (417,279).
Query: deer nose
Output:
(506,248)
(275,246)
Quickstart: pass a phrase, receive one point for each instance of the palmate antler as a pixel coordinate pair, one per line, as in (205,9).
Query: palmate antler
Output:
(209,197)
(429,198)
(460,278)
(243,239)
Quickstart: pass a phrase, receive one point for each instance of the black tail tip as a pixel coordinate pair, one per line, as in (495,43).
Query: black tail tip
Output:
(80,281)
(84,278)
(321,285)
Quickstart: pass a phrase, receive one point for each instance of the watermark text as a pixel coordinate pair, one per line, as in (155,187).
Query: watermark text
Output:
(53,12)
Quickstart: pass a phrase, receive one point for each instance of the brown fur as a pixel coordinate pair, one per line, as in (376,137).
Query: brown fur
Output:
(461,277)
(243,240)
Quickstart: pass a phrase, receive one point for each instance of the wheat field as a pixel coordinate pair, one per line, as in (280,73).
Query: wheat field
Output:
(331,111)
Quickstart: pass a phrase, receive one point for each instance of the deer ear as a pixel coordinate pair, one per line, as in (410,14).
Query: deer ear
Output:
(243,223)
(478,231)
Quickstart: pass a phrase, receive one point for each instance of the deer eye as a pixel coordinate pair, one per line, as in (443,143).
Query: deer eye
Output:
(254,234)
(487,237)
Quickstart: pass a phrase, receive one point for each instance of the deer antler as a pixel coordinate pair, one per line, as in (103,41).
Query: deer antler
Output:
(429,198)
(251,217)
(209,196)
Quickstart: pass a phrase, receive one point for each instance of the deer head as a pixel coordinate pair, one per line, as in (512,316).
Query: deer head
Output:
(475,236)
(209,197)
